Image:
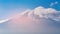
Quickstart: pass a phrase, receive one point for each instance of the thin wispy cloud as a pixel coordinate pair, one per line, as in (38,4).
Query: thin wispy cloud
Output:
(53,3)
(3,21)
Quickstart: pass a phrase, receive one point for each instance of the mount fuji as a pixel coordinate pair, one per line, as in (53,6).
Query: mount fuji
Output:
(36,21)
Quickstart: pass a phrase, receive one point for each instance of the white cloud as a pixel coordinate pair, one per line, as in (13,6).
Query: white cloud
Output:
(2,21)
(52,4)
(40,19)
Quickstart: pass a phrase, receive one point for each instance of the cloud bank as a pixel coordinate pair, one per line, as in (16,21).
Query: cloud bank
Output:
(39,20)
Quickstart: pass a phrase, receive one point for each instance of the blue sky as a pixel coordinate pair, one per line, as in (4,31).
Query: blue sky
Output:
(7,7)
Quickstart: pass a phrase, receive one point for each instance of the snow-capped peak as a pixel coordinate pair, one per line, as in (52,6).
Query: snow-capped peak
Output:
(41,12)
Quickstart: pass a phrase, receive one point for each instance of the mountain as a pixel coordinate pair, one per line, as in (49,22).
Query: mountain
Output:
(36,21)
